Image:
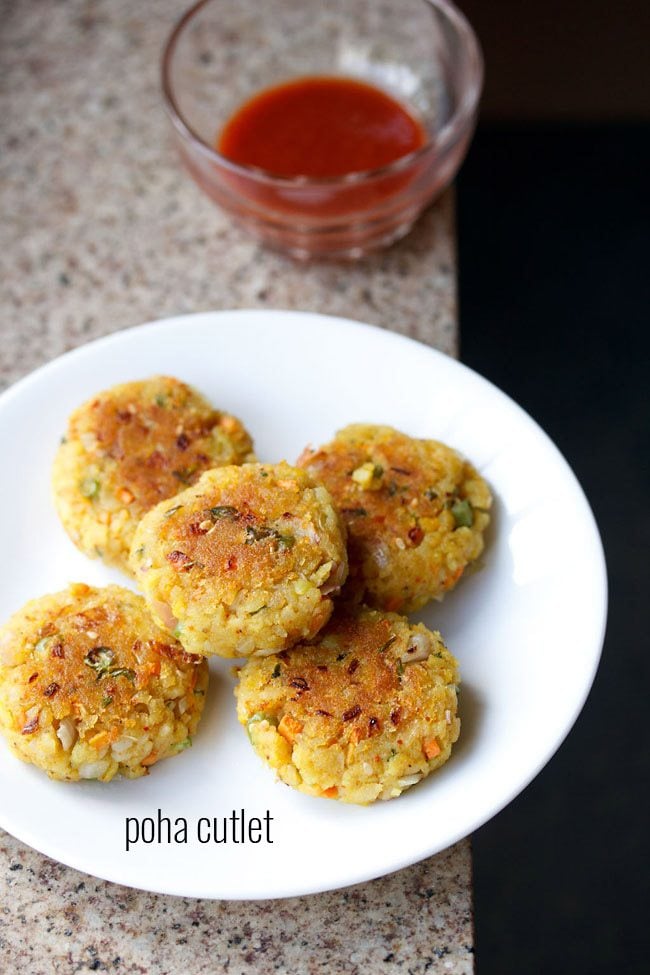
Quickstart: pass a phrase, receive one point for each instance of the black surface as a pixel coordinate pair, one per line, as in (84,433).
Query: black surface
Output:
(555,309)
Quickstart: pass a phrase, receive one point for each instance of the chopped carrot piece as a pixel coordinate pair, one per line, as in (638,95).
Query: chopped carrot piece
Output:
(330,793)
(394,603)
(79,589)
(453,577)
(431,748)
(289,727)
(100,739)
(150,759)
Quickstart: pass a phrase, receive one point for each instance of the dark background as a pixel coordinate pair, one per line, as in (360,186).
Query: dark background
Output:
(553,211)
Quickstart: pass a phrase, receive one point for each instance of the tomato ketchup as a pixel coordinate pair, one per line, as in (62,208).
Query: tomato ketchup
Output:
(320,127)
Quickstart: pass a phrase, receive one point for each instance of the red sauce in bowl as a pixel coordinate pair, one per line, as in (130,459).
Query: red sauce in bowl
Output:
(320,127)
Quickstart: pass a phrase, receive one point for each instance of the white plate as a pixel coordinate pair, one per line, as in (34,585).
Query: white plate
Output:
(527,629)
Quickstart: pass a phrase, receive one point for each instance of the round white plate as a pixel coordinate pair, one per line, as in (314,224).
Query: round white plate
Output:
(527,629)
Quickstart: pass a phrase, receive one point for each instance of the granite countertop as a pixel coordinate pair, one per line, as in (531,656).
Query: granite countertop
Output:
(102,230)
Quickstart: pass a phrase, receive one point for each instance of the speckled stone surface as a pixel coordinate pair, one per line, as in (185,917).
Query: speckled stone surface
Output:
(57,920)
(102,230)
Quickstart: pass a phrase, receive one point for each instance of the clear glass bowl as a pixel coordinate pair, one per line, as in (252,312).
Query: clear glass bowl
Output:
(423,52)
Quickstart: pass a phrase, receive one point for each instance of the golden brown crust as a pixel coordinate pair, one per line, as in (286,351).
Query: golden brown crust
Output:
(361,712)
(251,537)
(245,561)
(84,654)
(347,689)
(131,447)
(158,433)
(90,687)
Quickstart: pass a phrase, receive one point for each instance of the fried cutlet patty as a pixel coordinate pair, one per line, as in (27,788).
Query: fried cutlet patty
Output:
(415,512)
(91,687)
(245,562)
(362,712)
(130,447)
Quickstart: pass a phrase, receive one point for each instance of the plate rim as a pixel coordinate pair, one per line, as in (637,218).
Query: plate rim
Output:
(599,572)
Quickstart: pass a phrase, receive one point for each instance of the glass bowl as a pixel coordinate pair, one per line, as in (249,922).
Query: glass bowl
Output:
(422,52)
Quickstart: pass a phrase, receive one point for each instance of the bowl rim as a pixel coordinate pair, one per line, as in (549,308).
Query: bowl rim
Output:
(439,143)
